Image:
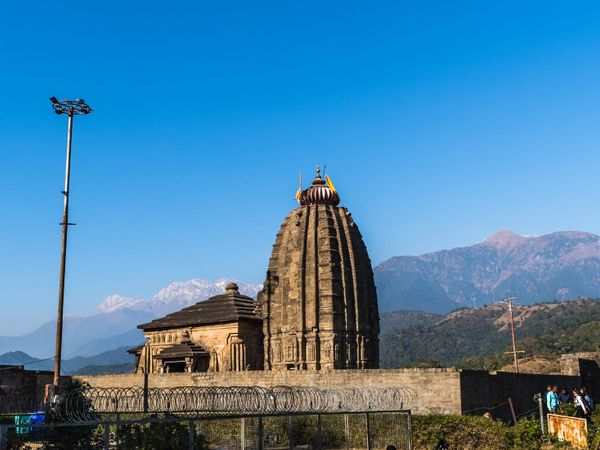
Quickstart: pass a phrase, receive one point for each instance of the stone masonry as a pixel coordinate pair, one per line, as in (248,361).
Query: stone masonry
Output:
(319,303)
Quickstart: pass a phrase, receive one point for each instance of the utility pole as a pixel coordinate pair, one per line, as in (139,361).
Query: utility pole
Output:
(509,301)
(71,108)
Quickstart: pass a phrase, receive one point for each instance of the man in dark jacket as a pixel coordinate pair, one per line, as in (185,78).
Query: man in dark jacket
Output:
(564,398)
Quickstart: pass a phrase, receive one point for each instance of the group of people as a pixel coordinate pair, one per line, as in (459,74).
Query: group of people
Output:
(580,398)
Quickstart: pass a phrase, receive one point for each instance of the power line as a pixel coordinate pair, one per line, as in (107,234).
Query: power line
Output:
(33,361)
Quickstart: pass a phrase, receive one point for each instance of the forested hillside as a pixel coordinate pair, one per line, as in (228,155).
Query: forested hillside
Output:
(478,338)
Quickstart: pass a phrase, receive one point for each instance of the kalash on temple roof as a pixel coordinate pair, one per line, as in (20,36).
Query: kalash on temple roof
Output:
(317,309)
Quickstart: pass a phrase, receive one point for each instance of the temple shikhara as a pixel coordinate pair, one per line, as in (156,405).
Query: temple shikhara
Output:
(317,310)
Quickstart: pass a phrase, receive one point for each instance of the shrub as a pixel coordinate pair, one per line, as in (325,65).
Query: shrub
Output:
(460,432)
(526,435)
(168,434)
(476,432)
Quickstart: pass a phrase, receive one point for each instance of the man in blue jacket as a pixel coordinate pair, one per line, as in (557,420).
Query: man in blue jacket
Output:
(548,390)
(552,400)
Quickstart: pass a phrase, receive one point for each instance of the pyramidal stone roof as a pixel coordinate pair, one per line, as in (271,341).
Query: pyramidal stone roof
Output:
(228,307)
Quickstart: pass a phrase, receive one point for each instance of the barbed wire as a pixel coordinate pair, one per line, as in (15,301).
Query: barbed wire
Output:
(485,408)
(234,400)
(531,412)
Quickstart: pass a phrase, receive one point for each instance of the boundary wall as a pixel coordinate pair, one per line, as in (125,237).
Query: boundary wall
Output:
(444,391)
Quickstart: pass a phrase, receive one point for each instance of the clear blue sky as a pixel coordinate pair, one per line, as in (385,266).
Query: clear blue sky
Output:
(440,123)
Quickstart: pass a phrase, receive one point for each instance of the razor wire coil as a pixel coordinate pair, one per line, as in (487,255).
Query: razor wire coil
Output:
(88,403)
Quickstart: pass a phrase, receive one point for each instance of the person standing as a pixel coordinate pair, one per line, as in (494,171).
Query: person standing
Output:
(552,400)
(564,398)
(587,398)
(548,390)
(581,408)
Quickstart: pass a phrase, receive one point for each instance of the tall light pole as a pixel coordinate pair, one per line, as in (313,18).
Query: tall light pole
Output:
(71,108)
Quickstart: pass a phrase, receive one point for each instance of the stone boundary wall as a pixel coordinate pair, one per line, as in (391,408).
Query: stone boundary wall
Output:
(570,363)
(23,389)
(435,390)
(444,391)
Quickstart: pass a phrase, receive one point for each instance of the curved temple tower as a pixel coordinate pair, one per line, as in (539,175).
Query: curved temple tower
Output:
(319,303)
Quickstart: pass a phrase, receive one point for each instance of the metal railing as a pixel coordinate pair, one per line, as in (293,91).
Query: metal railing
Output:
(368,431)
(237,418)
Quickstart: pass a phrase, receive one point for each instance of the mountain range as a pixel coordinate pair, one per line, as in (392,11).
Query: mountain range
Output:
(175,296)
(115,320)
(562,265)
(116,358)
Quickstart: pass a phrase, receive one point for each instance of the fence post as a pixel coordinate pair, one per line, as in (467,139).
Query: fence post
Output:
(409,426)
(146,390)
(260,433)
(289,432)
(368,426)
(106,435)
(242,433)
(541,406)
(3,439)
(191,434)
(347,431)
(512,410)
(118,422)
(319,429)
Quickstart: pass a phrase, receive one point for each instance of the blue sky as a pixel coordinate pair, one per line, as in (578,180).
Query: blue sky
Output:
(440,123)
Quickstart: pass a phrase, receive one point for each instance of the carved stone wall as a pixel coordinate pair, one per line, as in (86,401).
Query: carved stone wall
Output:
(319,303)
(232,346)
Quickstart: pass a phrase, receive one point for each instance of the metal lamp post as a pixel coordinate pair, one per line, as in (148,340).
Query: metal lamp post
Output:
(72,108)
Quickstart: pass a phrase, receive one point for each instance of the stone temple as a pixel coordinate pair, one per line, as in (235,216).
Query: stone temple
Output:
(223,333)
(319,304)
(317,310)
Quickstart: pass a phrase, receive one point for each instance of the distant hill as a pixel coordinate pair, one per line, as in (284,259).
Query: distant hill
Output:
(111,361)
(400,320)
(106,369)
(557,266)
(478,338)
(17,358)
(81,335)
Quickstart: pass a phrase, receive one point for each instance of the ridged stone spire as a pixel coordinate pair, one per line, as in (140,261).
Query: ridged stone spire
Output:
(319,302)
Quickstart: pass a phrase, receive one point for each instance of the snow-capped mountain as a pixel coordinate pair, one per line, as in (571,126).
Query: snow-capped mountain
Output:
(175,296)
(114,322)
(116,302)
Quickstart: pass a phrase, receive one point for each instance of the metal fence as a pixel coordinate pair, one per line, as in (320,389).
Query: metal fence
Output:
(369,431)
(237,418)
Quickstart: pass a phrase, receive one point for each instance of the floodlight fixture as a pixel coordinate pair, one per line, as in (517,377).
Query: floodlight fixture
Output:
(71,107)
